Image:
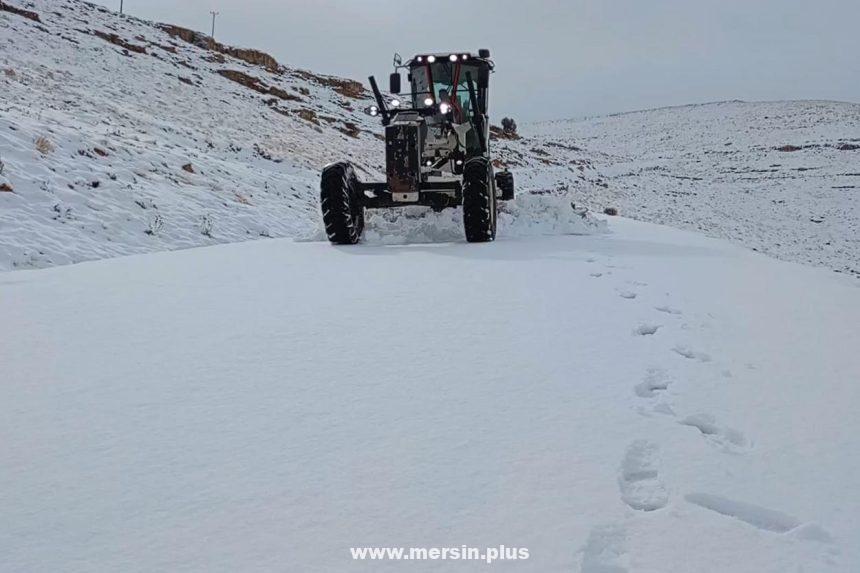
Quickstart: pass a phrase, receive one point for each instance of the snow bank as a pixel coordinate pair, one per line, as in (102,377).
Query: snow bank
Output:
(529,215)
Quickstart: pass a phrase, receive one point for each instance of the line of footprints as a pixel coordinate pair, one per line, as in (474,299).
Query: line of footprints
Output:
(639,480)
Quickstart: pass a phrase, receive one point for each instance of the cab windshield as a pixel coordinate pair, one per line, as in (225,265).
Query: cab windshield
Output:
(448,77)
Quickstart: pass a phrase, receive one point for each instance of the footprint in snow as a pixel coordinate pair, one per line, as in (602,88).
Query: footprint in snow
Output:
(628,294)
(605,550)
(723,436)
(596,275)
(668,310)
(656,380)
(639,481)
(691,354)
(760,517)
(646,329)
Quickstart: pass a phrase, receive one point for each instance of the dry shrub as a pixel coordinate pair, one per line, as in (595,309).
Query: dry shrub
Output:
(612,211)
(44,145)
(10,73)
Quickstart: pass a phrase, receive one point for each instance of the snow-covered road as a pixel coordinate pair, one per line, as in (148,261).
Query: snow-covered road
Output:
(644,400)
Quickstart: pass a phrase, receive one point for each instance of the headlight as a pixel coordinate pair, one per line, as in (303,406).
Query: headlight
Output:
(431,59)
(428,101)
(464,57)
(453,57)
(395,102)
(444,108)
(420,59)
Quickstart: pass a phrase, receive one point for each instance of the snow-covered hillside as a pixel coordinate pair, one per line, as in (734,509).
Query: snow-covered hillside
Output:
(782,177)
(648,400)
(640,400)
(122,136)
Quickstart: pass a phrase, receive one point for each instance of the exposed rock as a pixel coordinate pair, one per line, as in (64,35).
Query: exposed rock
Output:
(188,168)
(186,35)
(497,132)
(216,58)
(350,129)
(347,88)
(253,57)
(257,85)
(611,211)
(116,40)
(789,148)
(6,188)
(562,146)
(30,15)
(284,95)
(308,115)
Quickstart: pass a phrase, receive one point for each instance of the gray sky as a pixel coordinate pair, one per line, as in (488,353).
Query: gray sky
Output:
(558,59)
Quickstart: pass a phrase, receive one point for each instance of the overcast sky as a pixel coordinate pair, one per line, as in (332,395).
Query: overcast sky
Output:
(558,59)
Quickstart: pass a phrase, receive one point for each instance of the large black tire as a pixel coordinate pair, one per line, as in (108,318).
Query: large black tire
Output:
(505,183)
(479,201)
(340,200)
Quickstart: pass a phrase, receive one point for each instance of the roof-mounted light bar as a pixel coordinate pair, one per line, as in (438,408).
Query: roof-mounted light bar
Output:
(431,58)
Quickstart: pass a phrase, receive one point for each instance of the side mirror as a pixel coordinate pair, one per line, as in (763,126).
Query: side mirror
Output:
(483,77)
(483,53)
(394,83)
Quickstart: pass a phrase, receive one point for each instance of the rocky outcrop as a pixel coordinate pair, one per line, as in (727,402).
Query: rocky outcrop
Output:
(118,41)
(253,57)
(257,85)
(347,88)
(30,15)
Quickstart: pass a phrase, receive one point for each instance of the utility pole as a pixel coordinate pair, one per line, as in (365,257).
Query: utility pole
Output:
(120,6)
(214,14)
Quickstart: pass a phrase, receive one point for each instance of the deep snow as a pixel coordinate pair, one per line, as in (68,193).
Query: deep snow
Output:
(643,400)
